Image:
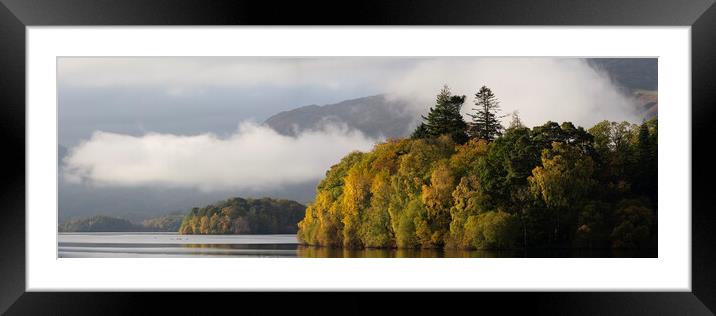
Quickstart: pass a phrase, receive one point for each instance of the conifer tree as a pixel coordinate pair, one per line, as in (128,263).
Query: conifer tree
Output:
(420,132)
(485,122)
(444,118)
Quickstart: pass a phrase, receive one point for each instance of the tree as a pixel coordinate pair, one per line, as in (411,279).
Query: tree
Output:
(509,162)
(204,225)
(468,200)
(544,135)
(437,198)
(647,163)
(563,180)
(516,122)
(376,230)
(356,199)
(405,236)
(592,229)
(420,132)
(492,230)
(633,225)
(245,216)
(616,156)
(444,118)
(578,137)
(485,122)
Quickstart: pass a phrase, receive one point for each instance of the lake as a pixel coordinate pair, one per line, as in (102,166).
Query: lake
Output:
(169,245)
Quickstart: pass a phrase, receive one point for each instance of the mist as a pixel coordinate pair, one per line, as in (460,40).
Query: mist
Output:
(540,89)
(253,158)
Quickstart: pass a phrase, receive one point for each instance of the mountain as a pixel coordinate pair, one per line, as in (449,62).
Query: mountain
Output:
(636,76)
(375,116)
(630,73)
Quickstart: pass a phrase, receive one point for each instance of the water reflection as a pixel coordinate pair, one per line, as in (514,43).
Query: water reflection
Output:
(327,252)
(159,245)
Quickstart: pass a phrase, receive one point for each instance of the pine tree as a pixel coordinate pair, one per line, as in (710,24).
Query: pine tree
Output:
(420,132)
(485,122)
(444,118)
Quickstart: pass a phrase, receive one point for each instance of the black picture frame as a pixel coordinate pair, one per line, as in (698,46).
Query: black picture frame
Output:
(15,15)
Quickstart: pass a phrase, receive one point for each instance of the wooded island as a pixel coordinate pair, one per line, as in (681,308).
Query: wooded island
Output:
(478,185)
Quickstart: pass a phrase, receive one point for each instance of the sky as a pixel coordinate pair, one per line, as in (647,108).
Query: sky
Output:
(194,123)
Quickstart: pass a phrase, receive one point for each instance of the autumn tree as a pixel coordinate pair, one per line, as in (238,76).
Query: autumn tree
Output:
(437,198)
(563,180)
(492,230)
(468,200)
(376,230)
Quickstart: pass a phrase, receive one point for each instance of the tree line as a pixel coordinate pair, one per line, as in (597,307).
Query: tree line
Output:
(479,185)
(102,223)
(244,216)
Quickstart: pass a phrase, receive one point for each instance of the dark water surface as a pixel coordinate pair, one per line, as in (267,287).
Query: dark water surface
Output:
(158,245)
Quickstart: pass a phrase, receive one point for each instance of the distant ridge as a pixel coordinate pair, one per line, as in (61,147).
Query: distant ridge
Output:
(375,116)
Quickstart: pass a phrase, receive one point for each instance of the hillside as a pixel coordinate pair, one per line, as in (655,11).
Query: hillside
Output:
(244,216)
(629,73)
(101,223)
(637,77)
(375,116)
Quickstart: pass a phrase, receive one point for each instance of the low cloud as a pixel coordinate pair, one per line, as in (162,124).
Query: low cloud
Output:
(255,157)
(541,89)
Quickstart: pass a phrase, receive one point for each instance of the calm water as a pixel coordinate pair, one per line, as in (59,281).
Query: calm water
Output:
(133,245)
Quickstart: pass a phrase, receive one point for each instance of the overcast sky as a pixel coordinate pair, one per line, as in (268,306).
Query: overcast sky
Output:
(192,122)
(195,95)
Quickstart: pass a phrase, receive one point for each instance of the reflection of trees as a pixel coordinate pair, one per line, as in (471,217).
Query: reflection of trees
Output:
(333,252)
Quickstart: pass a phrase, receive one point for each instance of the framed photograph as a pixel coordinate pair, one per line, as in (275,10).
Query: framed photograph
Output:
(411,146)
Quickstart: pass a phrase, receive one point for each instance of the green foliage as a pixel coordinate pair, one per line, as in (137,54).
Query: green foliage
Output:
(634,222)
(592,226)
(646,156)
(420,132)
(563,180)
(407,233)
(468,200)
(165,223)
(437,198)
(492,230)
(554,185)
(100,224)
(376,230)
(444,118)
(244,216)
(485,122)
